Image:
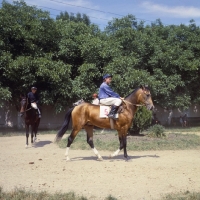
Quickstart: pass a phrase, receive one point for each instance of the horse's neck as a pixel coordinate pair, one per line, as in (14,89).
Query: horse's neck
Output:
(29,109)
(133,100)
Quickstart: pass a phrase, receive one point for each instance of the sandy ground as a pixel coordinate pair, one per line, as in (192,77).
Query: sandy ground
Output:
(148,175)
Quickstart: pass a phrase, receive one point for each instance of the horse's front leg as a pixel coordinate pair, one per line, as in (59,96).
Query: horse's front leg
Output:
(32,129)
(121,146)
(124,138)
(123,143)
(27,135)
(36,129)
(89,131)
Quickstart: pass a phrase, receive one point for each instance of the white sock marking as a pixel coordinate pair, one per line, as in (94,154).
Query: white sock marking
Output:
(115,153)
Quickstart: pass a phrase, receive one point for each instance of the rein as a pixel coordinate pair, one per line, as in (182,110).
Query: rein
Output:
(27,109)
(133,103)
(27,106)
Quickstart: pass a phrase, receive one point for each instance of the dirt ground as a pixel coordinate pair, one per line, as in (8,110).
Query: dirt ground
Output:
(148,175)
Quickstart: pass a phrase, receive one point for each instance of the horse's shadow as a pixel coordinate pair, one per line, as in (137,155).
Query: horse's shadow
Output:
(116,158)
(42,143)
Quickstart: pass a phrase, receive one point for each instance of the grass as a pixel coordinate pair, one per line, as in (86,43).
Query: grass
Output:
(109,141)
(175,140)
(183,196)
(180,130)
(19,194)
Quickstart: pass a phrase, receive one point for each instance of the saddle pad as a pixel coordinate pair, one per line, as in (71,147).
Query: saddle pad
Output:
(104,111)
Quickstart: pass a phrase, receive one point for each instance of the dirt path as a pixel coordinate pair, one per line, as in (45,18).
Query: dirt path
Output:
(148,175)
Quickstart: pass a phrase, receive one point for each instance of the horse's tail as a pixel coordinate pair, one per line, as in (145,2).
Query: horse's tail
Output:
(65,125)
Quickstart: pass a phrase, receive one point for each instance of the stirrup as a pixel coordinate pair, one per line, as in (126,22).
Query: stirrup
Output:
(112,116)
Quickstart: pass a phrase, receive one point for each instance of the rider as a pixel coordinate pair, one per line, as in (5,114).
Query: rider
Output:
(108,97)
(34,99)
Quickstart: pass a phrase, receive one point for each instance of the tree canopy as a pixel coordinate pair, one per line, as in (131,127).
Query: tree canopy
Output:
(67,56)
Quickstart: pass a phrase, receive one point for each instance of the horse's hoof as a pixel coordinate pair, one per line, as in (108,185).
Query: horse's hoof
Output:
(68,159)
(100,159)
(110,156)
(26,146)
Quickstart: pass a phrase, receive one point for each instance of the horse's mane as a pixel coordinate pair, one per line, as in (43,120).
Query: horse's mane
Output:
(134,91)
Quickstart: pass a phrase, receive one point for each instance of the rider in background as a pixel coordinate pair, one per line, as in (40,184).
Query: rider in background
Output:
(108,97)
(95,100)
(34,99)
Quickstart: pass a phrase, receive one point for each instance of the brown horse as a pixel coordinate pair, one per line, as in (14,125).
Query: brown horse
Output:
(86,116)
(31,118)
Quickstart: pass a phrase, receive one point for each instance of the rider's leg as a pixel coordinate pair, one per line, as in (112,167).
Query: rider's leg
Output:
(115,102)
(34,105)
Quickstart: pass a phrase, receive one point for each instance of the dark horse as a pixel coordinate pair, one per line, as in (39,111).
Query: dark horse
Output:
(86,115)
(31,118)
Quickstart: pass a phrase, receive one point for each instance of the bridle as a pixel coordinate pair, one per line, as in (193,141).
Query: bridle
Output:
(137,105)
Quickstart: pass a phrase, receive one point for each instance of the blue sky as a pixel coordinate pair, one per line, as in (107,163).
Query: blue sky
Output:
(102,11)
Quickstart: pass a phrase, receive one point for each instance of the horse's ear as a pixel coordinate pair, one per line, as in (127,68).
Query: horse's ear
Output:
(142,87)
(146,87)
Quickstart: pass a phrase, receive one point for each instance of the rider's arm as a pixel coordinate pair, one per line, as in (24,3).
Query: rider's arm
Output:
(110,92)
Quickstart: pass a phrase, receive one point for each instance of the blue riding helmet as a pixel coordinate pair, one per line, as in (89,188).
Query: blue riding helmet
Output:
(107,76)
(33,88)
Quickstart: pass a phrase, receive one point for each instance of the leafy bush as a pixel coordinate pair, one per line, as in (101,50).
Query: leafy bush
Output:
(142,119)
(156,131)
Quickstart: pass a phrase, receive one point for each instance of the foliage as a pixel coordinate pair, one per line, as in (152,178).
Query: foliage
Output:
(142,119)
(67,56)
(156,130)
(70,17)
(110,197)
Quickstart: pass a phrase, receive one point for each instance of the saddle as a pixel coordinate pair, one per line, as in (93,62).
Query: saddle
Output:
(105,109)
(121,108)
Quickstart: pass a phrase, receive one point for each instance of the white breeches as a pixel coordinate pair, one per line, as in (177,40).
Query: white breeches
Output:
(111,101)
(34,105)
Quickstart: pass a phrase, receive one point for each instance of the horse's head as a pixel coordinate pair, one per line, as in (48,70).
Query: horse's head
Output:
(23,105)
(144,97)
(78,102)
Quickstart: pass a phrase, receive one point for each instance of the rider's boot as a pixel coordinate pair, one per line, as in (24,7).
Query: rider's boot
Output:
(113,112)
(39,113)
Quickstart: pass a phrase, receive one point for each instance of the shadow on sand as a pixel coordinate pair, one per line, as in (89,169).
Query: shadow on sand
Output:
(117,158)
(42,143)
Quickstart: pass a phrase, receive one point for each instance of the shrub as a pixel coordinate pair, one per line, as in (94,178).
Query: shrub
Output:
(156,131)
(142,119)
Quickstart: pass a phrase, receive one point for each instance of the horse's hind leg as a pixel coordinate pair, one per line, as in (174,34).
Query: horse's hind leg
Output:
(70,140)
(89,130)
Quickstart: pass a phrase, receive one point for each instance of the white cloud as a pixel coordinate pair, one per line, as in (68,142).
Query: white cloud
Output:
(172,11)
